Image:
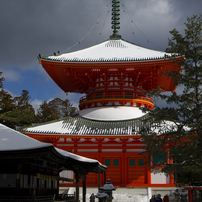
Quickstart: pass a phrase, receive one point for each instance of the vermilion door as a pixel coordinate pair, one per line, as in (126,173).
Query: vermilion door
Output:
(113,170)
(136,170)
(92,180)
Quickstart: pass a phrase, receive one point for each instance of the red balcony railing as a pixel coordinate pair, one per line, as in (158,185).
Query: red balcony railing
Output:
(120,97)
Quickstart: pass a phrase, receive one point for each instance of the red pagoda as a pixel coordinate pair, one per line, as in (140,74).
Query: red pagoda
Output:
(113,75)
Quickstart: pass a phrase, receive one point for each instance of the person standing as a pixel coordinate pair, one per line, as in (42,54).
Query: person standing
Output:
(152,198)
(166,198)
(158,198)
(177,195)
(92,198)
(183,196)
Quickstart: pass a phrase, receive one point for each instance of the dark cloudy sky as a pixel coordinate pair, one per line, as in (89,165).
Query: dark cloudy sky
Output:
(30,27)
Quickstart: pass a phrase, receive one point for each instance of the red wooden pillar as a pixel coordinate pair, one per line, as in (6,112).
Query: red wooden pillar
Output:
(171,176)
(190,193)
(99,140)
(100,159)
(75,140)
(127,169)
(148,176)
(124,171)
(124,163)
(171,179)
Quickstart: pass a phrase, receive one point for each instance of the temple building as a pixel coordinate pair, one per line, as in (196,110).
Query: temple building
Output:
(30,169)
(113,76)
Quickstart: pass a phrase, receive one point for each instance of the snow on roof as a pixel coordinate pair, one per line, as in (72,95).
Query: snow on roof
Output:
(77,125)
(111,50)
(12,140)
(55,127)
(77,157)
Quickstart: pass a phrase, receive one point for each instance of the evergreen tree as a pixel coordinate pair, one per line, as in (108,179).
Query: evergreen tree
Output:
(15,111)
(24,113)
(19,111)
(67,108)
(54,109)
(45,113)
(6,101)
(176,129)
(56,106)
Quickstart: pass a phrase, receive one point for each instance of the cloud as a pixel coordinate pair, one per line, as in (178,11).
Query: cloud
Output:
(46,26)
(11,75)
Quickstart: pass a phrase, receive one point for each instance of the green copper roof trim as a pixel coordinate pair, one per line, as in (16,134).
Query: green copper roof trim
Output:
(77,125)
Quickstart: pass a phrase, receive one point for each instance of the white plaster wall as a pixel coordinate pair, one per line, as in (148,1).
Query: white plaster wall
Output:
(112,113)
(67,174)
(160,178)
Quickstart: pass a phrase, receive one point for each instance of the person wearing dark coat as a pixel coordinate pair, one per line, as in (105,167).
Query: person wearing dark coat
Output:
(92,198)
(166,198)
(158,198)
(152,198)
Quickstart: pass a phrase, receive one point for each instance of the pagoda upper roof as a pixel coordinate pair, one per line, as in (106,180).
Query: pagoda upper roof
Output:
(110,51)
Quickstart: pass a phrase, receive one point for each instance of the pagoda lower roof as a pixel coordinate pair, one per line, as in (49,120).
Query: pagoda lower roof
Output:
(110,51)
(77,125)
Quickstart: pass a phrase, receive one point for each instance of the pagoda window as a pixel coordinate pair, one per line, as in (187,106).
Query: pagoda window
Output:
(116,162)
(107,162)
(159,158)
(131,162)
(140,162)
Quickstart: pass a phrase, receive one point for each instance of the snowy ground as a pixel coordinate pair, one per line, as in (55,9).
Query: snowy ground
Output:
(129,194)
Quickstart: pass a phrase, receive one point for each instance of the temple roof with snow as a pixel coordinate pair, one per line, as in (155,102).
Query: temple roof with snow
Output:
(13,141)
(78,125)
(110,51)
